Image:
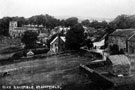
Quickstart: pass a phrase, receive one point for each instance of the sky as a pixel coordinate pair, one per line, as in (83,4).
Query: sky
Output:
(81,8)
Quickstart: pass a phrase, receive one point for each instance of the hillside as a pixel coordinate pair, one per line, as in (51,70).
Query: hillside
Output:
(6,42)
(60,70)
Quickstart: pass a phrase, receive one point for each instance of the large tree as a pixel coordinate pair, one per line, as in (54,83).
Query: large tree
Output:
(29,39)
(46,20)
(86,22)
(20,21)
(122,22)
(70,22)
(4,25)
(75,37)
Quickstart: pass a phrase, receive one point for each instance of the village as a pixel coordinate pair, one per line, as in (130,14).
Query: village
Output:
(93,62)
(67,45)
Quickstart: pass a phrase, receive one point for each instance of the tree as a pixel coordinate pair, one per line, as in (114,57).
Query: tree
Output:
(70,22)
(4,25)
(46,20)
(94,24)
(103,24)
(75,37)
(20,21)
(98,25)
(88,43)
(86,22)
(29,39)
(122,22)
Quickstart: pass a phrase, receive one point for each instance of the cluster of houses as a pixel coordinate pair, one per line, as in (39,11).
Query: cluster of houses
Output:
(124,39)
(120,63)
(56,45)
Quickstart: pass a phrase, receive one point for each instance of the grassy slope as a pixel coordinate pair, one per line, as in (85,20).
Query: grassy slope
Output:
(6,44)
(61,70)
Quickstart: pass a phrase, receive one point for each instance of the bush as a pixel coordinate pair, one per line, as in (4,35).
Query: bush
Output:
(18,55)
(40,50)
(29,39)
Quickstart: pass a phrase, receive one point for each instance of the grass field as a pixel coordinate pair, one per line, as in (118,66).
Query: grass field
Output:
(6,42)
(7,45)
(55,70)
(62,70)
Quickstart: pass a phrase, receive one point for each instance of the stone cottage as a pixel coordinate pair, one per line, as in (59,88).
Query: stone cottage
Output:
(57,44)
(124,38)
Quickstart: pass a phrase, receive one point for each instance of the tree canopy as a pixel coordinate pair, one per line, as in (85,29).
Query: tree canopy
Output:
(70,22)
(4,25)
(29,38)
(120,22)
(46,20)
(124,21)
(86,22)
(74,37)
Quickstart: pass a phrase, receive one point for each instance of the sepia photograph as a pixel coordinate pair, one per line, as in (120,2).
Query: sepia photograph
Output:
(67,44)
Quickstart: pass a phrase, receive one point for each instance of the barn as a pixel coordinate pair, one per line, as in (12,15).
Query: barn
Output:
(118,64)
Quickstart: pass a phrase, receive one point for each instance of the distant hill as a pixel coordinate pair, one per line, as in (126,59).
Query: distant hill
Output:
(83,18)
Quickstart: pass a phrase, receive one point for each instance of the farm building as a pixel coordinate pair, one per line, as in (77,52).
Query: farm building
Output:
(124,39)
(118,64)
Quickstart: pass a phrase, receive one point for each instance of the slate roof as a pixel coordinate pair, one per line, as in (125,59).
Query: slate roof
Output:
(127,33)
(25,28)
(20,28)
(119,60)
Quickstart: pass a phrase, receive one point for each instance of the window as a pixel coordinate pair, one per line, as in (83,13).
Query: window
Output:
(55,45)
(124,49)
(132,50)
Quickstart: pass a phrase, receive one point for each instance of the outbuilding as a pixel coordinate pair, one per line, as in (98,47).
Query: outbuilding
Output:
(118,64)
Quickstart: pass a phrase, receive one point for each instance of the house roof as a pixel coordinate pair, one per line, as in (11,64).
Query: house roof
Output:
(132,38)
(100,43)
(119,60)
(62,38)
(20,28)
(54,40)
(30,53)
(43,35)
(127,33)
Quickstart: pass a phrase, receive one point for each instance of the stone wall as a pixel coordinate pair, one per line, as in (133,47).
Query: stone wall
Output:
(132,60)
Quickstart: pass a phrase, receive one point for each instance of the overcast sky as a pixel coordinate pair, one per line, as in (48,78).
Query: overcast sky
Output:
(83,8)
